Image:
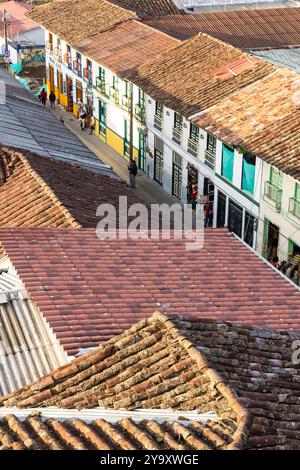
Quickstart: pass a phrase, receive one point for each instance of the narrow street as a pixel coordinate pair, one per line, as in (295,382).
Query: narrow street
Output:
(149,191)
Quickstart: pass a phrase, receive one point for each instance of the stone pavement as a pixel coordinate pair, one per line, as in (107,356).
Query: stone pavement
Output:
(148,190)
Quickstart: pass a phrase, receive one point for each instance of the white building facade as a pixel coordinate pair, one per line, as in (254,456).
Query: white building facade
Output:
(79,80)
(180,157)
(279,225)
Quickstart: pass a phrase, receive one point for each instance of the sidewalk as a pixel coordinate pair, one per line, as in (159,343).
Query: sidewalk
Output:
(149,191)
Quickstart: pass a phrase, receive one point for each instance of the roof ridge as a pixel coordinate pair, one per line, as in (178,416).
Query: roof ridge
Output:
(46,188)
(243,414)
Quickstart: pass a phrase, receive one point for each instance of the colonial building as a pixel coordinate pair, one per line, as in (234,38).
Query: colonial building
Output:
(183,154)
(91,69)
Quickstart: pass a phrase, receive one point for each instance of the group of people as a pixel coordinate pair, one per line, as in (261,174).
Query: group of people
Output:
(43,98)
(290,268)
(208,208)
(86,119)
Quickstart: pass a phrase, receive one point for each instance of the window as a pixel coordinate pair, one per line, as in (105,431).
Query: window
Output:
(227,162)
(177,129)
(141,98)
(194,133)
(250,227)
(126,89)
(102,74)
(211,144)
(294,203)
(115,82)
(273,188)
(102,118)
(235,218)
(178,121)
(248,174)
(193,140)
(177,175)
(159,115)
(276,177)
(221,215)
(159,109)
(210,152)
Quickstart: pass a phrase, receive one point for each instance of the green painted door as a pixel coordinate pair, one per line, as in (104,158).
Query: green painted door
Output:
(265,239)
(142,157)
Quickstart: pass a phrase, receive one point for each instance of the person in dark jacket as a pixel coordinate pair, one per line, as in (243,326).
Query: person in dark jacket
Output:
(132,168)
(52,99)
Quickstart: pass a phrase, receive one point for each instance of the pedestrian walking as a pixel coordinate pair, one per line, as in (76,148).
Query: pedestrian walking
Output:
(194,195)
(92,125)
(43,97)
(82,119)
(132,168)
(52,99)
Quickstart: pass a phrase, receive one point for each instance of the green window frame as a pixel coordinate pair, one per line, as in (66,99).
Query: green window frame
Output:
(141,98)
(116,82)
(276,177)
(178,122)
(227,162)
(194,132)
(126,88)
(297,192)
(159,109)
(102,118)
(248,172)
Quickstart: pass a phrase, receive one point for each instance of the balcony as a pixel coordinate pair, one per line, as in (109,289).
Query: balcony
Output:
(210,159)
(77,68)
(294,207)
(125,103)
(114,95)
(139,113)
(177,135)
(193,147)
(274,194)
(87,75)
(58,54)
(67,60)
(100,86)
(158,122)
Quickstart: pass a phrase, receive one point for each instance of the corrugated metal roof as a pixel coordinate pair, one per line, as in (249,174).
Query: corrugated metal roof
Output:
(28,347)
(26,124)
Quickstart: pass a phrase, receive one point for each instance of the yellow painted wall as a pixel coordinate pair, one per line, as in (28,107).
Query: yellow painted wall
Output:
(56,91)
(48,87)
(63,100)
(97,127)
(75,109)
(115,141)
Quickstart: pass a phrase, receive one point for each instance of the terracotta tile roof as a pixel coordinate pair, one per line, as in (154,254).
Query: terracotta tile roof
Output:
(150,366)
(90,290)
(188,85)
(39,192)
(146,8)
(244,375)
(73,20)
(262,118)
(246,29)
(126,46)
(36,433)
(18,21)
